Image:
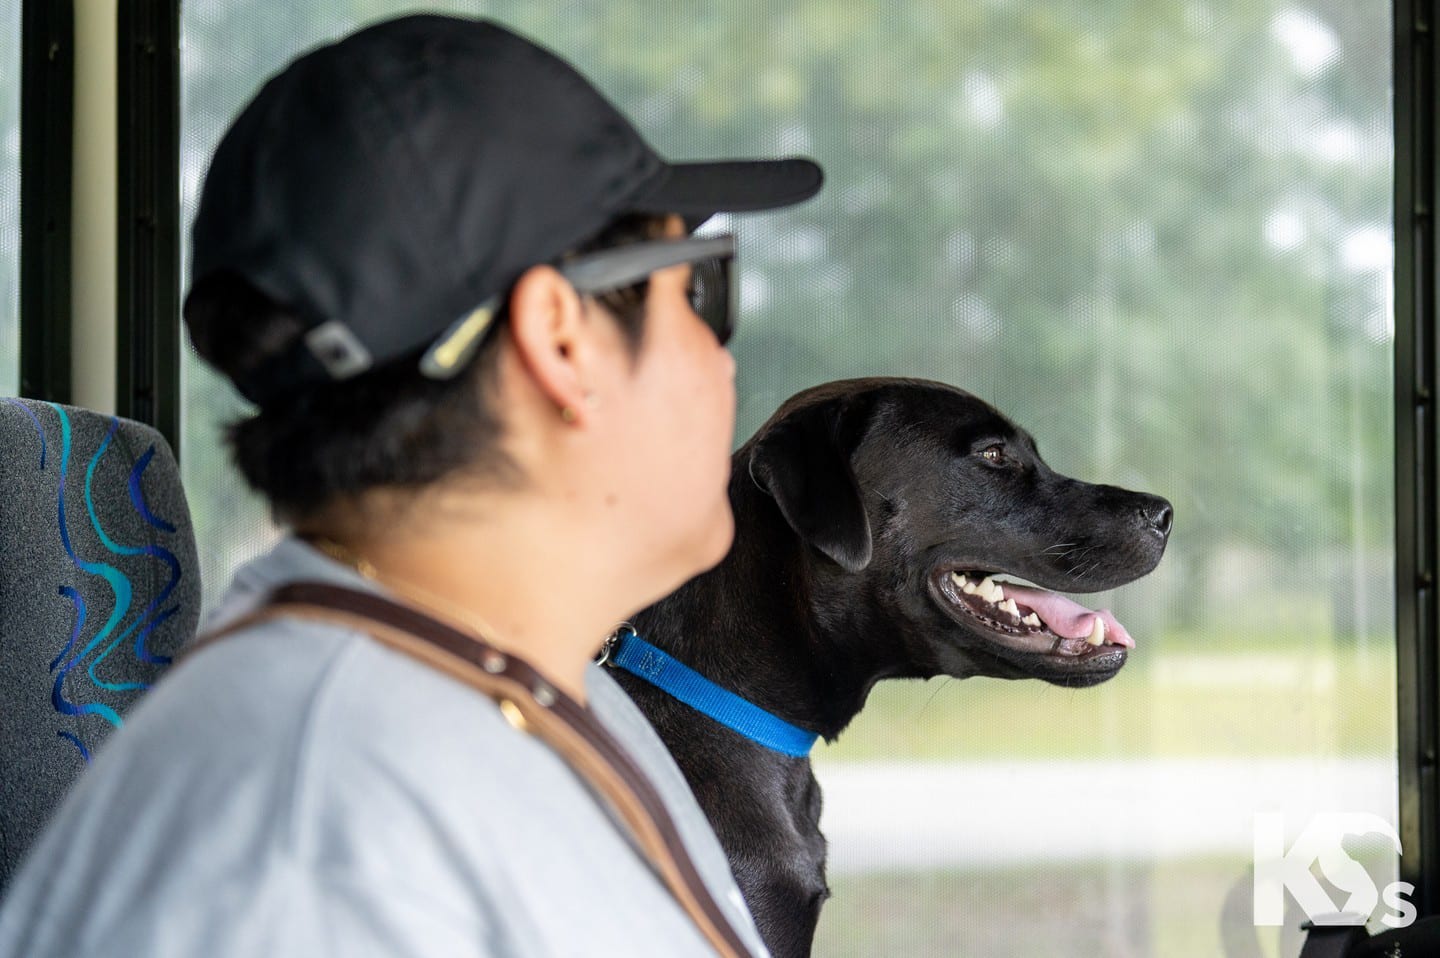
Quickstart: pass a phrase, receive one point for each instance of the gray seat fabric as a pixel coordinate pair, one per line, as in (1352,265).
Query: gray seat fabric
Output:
(99,586)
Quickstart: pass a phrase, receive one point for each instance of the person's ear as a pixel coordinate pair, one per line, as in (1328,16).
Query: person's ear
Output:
(803,462)
(552,338)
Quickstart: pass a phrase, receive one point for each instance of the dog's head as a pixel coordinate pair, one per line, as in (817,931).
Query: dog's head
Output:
(929,502)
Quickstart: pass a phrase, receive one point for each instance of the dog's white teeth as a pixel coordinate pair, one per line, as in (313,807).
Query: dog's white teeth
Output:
(1009,606)
(1097,632)
(989,591)
(1032,620)
(963,581)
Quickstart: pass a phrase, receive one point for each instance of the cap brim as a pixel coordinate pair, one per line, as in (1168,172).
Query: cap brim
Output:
(698,191)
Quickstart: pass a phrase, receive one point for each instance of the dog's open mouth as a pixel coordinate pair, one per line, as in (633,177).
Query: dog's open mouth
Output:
(1030,619)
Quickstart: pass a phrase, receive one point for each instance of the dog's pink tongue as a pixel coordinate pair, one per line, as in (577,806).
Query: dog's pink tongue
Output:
(1067,619)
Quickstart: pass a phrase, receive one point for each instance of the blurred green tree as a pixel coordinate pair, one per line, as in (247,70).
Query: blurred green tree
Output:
(1155,234)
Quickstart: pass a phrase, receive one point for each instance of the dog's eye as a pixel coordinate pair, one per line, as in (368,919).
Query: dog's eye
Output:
(995,453)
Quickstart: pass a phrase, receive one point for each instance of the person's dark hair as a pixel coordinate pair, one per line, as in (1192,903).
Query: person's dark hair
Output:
(388,427)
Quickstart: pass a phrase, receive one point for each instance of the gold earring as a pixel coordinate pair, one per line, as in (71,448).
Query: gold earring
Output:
(567,413)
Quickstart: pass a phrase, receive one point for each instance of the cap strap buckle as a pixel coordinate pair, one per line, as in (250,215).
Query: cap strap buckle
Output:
(337,349)
(454,347)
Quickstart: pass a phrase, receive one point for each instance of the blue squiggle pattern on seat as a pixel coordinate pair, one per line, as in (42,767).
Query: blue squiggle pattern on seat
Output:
(137,495)
(79,602)
(126,618)
(144,654)
(74,740)
(164,555)
(137,498)
(39,429)
(119,585)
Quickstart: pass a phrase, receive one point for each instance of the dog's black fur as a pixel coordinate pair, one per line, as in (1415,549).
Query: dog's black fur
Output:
(852,505)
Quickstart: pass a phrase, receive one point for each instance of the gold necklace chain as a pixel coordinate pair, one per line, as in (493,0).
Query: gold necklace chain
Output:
(421,596)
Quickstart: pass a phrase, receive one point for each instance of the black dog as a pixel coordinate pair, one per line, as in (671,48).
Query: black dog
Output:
(871,516)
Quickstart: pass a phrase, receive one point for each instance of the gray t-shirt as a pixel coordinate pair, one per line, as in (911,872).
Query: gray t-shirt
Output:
(298,789)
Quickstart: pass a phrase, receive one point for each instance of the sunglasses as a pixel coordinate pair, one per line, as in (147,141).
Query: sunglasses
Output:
(710,257)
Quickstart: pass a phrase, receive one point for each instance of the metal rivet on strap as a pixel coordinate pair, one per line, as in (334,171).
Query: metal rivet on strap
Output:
(544,695)
(513,715)
(493,662)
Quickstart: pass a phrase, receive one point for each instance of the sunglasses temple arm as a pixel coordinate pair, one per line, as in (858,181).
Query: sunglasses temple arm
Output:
(613,268)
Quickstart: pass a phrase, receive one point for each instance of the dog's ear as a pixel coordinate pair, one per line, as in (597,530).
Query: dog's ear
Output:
(803,462)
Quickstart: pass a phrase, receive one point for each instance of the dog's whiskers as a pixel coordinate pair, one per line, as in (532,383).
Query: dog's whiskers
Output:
(933,694)
(1076,557)
(1089,567)
(1049,551)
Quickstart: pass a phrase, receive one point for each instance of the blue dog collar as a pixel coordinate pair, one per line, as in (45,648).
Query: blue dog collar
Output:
(679,681)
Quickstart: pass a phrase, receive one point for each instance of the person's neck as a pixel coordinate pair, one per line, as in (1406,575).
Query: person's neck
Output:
(508,575)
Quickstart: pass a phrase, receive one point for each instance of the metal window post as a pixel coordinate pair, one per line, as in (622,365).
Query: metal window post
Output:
(1415,449)
(147,356)
(47,70)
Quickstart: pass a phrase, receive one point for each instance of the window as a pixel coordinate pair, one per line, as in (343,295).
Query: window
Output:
(1160,239)
(10,199)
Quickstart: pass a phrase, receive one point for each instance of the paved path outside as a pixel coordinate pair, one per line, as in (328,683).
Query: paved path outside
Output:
(924,816)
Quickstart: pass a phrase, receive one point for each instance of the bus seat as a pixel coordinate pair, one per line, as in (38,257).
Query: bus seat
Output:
(99,587)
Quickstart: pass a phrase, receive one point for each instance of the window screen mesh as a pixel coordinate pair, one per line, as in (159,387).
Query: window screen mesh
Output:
(1156,235)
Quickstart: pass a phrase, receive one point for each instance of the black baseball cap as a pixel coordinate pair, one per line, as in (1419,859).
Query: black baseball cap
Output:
(391,186)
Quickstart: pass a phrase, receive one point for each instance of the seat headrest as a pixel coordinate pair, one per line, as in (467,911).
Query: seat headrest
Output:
(99,586)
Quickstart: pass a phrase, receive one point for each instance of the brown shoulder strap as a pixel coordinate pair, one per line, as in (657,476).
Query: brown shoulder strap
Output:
(529,702)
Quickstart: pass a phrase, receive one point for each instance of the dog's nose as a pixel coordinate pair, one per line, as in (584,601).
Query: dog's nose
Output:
(1159,515)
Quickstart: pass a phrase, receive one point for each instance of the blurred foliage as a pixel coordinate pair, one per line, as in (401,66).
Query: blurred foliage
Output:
(1112,909)
(1157,235)
(1256,696)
